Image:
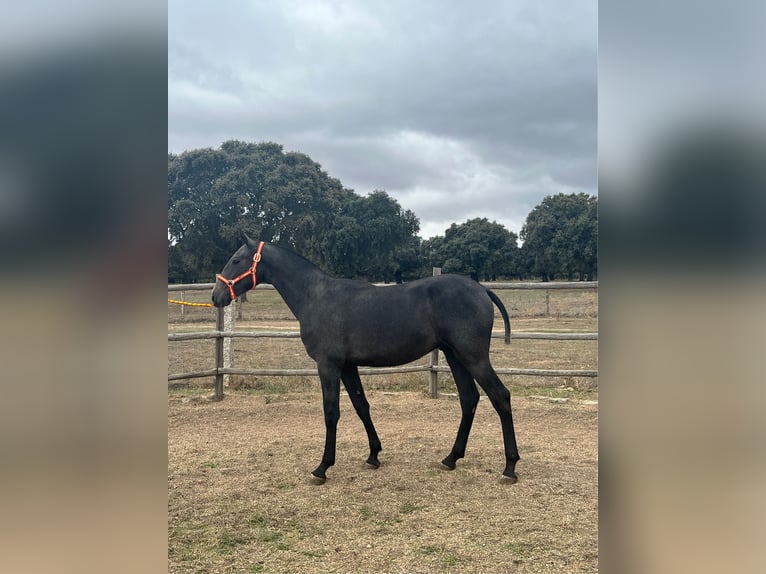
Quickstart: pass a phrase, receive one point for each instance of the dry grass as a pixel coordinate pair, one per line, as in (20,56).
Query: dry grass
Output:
(240,499)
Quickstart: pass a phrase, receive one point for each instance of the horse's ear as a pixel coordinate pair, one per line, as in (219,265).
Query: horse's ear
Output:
(246,239)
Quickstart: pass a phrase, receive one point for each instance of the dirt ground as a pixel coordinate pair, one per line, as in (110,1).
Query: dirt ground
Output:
(240,499)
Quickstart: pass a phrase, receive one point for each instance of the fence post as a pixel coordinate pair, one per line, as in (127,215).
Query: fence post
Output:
(433,383)
(183,298)
(547,302)
(229,315)
(219,322)
(433,361)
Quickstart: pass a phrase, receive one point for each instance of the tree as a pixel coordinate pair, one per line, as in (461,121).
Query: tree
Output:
(374,238)
(192,217)
(478,247)
(560,237)
(284,198)
(214,194)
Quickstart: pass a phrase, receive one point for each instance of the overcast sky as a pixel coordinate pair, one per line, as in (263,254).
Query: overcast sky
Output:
(456,109)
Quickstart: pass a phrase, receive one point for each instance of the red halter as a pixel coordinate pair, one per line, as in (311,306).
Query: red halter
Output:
(231,282)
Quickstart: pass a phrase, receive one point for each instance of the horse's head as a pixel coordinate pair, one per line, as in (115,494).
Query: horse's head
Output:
(239,273)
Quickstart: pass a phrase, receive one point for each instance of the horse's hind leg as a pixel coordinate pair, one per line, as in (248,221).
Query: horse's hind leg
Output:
(500,397)
(353,384)
(469,398)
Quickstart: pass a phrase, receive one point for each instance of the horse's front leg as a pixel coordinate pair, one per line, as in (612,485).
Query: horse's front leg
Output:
(329,375)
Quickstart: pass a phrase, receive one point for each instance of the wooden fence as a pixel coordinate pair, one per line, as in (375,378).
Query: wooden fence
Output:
(224,317)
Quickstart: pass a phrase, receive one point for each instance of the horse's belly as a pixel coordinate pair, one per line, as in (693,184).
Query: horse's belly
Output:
(376,350)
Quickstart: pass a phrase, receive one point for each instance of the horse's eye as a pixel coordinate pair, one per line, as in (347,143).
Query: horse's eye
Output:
(236,262)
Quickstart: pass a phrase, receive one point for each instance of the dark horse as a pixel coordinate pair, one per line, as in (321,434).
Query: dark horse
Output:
(346,324)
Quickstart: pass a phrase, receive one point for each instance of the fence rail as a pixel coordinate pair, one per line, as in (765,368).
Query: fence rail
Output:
(296,335)
(432,367)
(554,285)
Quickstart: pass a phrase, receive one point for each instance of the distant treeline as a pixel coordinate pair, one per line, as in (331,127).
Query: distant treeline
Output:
(286,198)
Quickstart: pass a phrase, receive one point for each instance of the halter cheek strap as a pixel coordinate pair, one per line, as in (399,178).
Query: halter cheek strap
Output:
(231,282)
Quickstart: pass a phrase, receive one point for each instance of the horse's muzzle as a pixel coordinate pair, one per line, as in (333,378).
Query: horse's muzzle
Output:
(220,296)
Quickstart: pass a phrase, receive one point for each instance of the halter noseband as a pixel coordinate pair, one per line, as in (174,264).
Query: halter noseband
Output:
(231,282)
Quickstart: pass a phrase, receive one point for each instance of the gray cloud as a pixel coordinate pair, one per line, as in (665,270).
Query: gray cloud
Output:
(458,110)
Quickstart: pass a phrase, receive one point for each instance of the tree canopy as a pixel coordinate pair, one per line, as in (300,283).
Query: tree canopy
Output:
(482,249)
(374,238)
(284,198)
(561,237)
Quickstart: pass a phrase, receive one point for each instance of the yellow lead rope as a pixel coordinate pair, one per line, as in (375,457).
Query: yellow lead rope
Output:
(190,304)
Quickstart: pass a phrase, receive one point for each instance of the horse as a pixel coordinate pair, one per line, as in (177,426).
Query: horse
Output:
(345,324)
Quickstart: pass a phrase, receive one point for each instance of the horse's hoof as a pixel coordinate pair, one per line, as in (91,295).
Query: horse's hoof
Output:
(316,480)
(447,466)
(509,479)
(374,464)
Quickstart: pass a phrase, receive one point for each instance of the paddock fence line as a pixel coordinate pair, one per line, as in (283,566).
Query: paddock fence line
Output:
(224,333)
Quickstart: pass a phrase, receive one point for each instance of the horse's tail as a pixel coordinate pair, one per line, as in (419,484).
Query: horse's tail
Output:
(496,300)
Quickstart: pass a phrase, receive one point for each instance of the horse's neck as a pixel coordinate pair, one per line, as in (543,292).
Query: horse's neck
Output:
(294,278)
